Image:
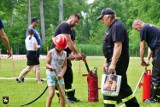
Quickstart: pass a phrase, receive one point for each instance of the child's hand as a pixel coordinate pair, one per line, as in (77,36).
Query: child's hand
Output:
(52,69)
(59,77)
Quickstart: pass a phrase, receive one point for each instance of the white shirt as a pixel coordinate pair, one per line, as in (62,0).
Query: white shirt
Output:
(29,43)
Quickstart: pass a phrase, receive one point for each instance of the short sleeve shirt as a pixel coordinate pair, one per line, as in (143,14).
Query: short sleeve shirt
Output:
(64,28)
(36,34)
(151,34)
(29,43)
(116,32)
(1,24)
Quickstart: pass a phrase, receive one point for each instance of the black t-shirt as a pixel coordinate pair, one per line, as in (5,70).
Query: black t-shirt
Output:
(151,34)
(64,28)
(116,32)
(1,24)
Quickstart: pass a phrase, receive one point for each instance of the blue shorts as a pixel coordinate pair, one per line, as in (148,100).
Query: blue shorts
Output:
(52,80)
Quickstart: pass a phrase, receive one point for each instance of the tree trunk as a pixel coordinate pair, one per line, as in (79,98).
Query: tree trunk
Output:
(60,10)
(29,12)
(11,19)
(42,22)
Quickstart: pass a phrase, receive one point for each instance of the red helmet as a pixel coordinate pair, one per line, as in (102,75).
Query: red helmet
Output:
(60,41)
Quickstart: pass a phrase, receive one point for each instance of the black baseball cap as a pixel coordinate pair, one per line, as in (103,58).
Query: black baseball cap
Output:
(106,11)
(34,19)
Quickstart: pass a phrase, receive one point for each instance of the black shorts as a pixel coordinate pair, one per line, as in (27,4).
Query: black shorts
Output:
(32,58)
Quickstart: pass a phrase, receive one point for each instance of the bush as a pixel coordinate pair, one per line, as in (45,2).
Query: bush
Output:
(90,49)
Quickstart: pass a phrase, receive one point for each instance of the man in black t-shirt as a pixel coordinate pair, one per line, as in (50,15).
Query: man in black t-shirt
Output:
(116,52)
(150,34)
(66,28)
(5,39)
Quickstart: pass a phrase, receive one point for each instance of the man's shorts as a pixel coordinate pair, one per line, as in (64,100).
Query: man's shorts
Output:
(52,80)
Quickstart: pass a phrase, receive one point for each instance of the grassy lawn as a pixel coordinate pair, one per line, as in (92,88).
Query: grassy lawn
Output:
(20,93)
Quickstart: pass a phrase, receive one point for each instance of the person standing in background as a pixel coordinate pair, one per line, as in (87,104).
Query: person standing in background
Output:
(34,24)
(32,58)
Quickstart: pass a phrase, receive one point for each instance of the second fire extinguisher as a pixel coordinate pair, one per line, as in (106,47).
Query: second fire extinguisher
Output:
(146,85)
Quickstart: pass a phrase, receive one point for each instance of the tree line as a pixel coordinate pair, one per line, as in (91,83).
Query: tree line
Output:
(14,14)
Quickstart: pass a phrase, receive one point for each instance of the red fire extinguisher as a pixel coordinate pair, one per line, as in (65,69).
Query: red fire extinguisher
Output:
(92,80)
(146,84)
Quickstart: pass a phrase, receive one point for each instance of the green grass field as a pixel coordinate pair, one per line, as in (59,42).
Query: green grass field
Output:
(20,93)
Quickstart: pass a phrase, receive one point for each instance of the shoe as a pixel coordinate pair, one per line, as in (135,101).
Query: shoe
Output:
(41,80)
(18,80)
(149,101)
(73,99)
(22,79)
(69,100)
(70,96)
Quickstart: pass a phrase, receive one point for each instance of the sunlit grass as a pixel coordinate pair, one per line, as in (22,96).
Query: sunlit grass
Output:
(20,93)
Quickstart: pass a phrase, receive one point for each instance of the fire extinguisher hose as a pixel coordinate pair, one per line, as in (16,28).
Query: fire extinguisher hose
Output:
(136,86)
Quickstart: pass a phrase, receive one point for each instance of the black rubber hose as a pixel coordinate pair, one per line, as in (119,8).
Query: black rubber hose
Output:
(35,98)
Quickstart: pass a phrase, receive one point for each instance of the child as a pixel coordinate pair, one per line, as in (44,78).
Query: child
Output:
(56,60)
(32,59)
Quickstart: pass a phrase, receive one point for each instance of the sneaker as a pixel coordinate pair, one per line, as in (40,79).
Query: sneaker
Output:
(18,80)
(41,80)
(69,100)
(22,79)
(73,99)
(149,101)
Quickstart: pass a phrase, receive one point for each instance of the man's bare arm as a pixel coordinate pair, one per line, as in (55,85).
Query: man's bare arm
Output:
(5,41)
(71,44)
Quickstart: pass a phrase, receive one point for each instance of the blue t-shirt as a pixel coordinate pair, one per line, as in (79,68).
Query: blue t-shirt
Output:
(36,34)
(1,24)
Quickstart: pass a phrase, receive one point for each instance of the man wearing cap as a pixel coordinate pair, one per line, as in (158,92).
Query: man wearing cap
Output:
(150,35)
(116,52)
(67,29)
(34,24)
(5,38)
